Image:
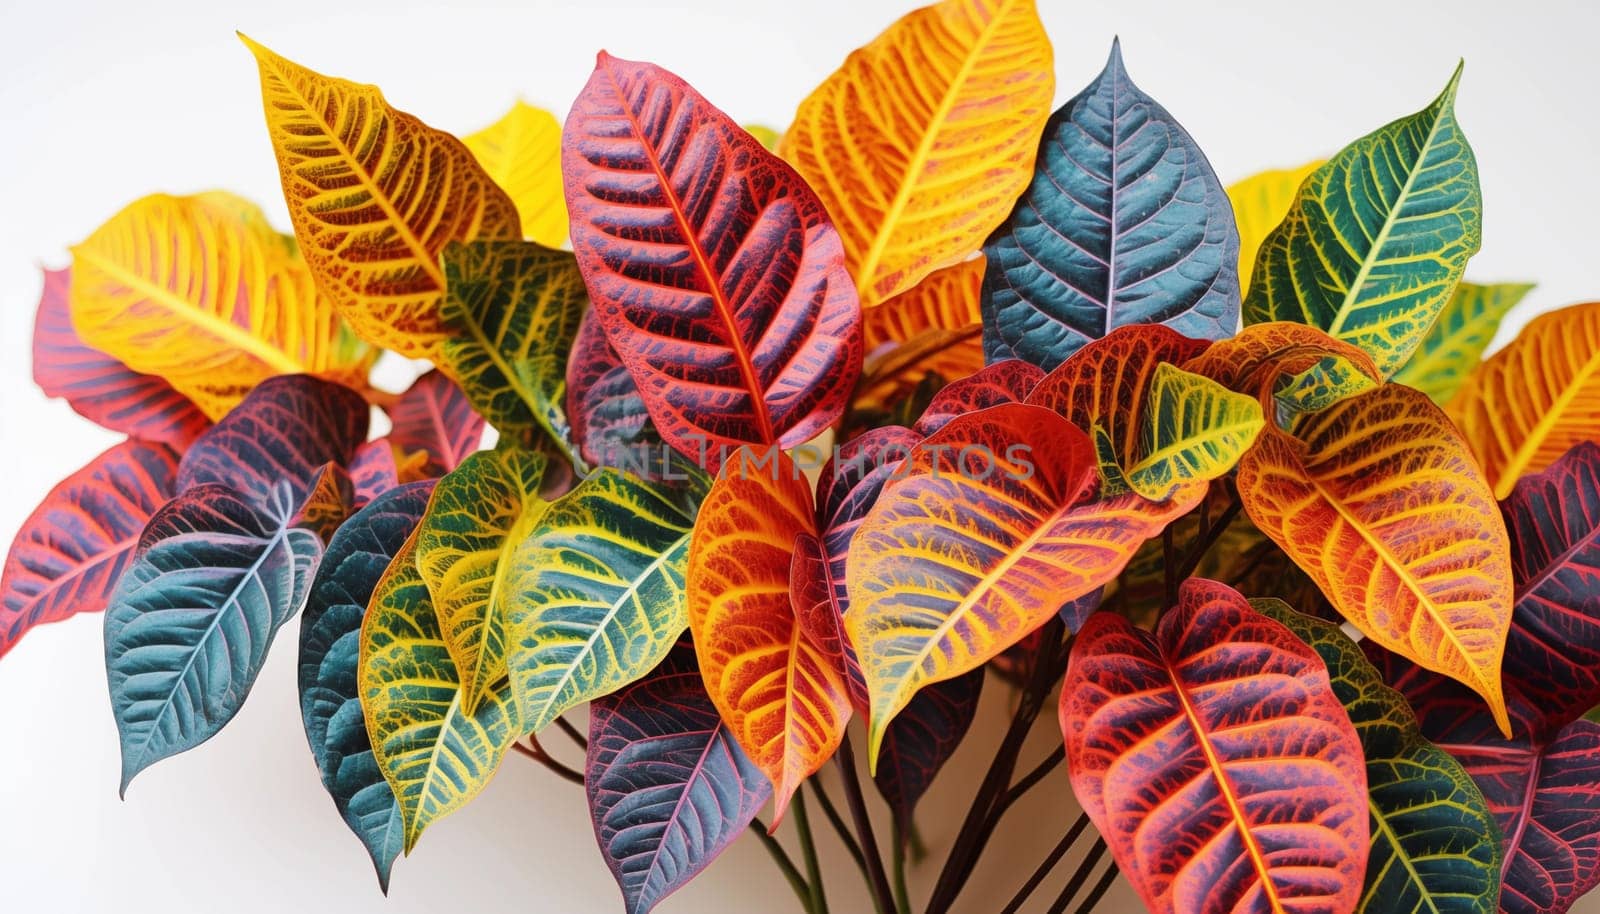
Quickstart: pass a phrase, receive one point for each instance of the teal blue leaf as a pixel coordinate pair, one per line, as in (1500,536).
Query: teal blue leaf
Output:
(212,580)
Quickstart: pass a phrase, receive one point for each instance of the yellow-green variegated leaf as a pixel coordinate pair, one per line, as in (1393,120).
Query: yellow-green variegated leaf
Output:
(433,752)
(1378,237)
(514,308)
(478,514)
(1455,344)
(596,593)
(765,135)
(522,153)
(1259,203)
(1192,429)
(375,195)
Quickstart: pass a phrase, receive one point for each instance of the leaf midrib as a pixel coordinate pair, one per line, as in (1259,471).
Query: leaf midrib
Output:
(1534,440)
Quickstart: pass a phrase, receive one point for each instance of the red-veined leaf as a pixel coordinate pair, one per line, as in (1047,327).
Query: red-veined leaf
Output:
(283,431)
(1216,760)
(97,386)
(922,738)
(610,424)
(327,503)
(669,788)
(1378,499)
(784,699)
(1258,358)
(435,417)
(712,266)
(373,470)
(71,550)
(1009,381)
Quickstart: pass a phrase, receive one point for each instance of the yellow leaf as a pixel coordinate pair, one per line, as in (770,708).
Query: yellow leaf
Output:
(1259,203)
(1379,500)
(202,292)
(1534,399)
(375,195)
(920,143)
(1192,429)
(522,153)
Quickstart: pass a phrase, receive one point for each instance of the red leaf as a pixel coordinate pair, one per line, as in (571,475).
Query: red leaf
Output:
(1009,381)
(373,470)
(1216,760)
(70,551)
(713,268)
(609,421)
(435,417)
(97,386)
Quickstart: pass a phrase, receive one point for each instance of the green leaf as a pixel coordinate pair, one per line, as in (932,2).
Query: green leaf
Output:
(433,752)
(1378,237)
(597,594)
(1455,343)
(478,514)
(1435,846)
(514,307)
(1191,429)
(1331,379)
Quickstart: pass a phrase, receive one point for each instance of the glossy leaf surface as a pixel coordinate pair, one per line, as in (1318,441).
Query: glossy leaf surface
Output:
(1455,344)
(784,700)
(920,142)
(99,387)
(521,152)
(1534,399)
(712,267)
(375,195)
(595,595)
(330,648)
(1378,499)
(669,788)
(973,549)
(1260,202)
(1192,429)
(1378,237)
(283,432)
(213,578)
(515,308)
(478,517)
(434,417)
(1435,846)
(435,755)
(1124,223)
(200,291)
(1010,381)
(1278,358)
(1221,735)
(70,552)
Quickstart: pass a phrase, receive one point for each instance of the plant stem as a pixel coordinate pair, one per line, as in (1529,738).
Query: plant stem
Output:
(1169,568)
(1085,867)
(1209,538)
(882,895)
(981,819)
(808,850)
(839,826)
(902,896)
(1050,861)
(1099,890)
(572,733)
(536,752)
(1055,758)
(785,865)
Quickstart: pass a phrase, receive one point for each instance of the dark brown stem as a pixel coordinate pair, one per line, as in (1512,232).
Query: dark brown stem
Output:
(1050,861)
(1080,876)
(840,828)
(1054,759)
(536,752)
(572,733)
(882,894)
(1099,890)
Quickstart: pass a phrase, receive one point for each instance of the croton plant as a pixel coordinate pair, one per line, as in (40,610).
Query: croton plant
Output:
(938,386)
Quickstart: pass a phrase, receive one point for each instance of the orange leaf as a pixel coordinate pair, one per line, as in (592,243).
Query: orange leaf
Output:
(784,699)
(1534,399)
(1378,499)
(935,328)
(1252,361)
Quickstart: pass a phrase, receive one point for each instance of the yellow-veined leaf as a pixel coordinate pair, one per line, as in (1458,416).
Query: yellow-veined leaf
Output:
(1534,399)
(1378,499)
(375,195)
(596,595)
(202,292)
(934,328)
(434,753)
(1303,368)
(919,144)
(1259,203)
(1192,429)
(521,152)
(783,697)
(1452,349)
(479,514)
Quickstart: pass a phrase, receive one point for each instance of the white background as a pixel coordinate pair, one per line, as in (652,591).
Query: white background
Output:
(103,102)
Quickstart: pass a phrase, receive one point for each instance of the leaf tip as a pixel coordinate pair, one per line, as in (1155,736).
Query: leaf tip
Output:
(1114,62)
